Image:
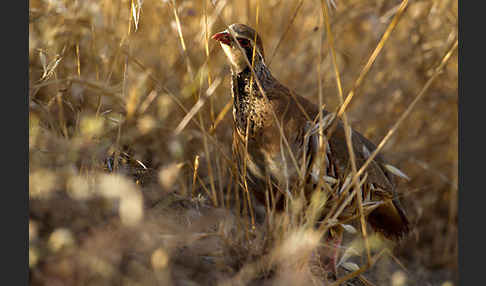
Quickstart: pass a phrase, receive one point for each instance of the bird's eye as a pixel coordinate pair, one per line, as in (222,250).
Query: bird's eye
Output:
(244,42)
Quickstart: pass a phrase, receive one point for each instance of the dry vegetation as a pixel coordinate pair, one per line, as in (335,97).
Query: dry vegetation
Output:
(124,191)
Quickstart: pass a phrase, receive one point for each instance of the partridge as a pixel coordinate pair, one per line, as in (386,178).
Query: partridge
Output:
(271,123)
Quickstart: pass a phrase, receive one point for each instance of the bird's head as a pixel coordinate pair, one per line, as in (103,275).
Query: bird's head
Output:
(239,49)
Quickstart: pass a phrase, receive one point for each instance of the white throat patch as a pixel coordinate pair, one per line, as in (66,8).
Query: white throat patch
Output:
(236,58)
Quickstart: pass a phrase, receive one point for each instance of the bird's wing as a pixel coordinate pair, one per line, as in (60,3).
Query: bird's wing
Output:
(389,217)
(380,173)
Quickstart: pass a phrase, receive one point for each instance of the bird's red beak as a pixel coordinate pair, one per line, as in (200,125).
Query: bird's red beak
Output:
(223,37)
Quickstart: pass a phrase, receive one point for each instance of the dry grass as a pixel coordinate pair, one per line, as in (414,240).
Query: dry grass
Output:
(130,166)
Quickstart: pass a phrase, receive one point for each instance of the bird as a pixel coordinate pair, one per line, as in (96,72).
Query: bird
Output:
(276,129)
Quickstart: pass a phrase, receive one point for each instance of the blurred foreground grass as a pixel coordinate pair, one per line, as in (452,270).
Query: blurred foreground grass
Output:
(114,195)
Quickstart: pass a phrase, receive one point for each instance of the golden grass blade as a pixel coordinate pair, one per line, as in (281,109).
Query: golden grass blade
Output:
(373,56)
(199,104)
(206,50)
(136,8)
(51,67)
(194,177)
(347,128)
(148,101)
(221,114)
(78,60)
(181,38)
(287,29)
